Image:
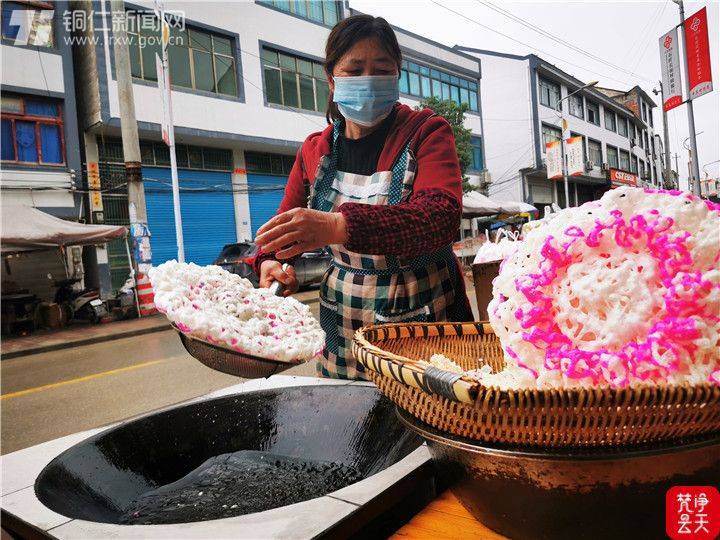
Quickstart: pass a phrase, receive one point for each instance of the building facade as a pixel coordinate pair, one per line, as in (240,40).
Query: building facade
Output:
(247,88)
(40,139)
(525,99)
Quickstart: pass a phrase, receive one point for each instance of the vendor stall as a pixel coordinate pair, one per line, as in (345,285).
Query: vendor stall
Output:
(26,233)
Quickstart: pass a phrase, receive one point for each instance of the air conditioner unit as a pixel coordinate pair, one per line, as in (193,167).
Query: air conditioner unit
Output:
(589,165)
(485,177)
(633,142)
(605,166)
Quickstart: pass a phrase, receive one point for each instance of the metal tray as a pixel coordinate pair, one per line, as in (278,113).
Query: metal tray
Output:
(232,362)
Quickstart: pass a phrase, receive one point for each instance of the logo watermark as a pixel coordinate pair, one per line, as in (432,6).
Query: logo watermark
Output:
(34,27)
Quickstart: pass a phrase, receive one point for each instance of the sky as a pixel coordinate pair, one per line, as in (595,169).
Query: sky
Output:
(622,33)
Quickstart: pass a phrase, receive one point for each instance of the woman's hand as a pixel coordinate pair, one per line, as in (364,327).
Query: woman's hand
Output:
(296,231)
(271,271)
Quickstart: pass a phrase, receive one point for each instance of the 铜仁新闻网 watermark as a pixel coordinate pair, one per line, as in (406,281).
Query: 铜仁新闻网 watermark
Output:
(30,26)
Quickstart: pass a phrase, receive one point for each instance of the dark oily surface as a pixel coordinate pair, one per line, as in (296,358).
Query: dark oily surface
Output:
(239,483)
(326,436)
(571,493)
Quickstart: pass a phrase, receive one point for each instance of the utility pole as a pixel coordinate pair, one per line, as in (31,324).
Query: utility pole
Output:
(666,134)
(137,209)
(563,127)
(695,167)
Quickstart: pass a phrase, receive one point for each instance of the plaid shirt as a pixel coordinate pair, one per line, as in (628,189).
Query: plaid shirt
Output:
(422,225)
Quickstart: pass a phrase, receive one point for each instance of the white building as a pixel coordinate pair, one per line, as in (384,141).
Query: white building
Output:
(40,148)
(520,114)
(248,88)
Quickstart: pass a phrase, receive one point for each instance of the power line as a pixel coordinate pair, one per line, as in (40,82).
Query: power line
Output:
(542,32)
(624,83)
(647,35)
(640,35)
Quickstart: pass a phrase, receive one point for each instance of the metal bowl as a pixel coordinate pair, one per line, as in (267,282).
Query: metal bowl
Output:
(232,362)
(570,493)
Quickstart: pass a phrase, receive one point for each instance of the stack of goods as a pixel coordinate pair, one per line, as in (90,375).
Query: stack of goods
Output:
(213,305)
(620,291)
(605,320)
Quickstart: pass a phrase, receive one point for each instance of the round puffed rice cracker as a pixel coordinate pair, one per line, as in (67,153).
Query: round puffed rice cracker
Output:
(617,292)
(224,309)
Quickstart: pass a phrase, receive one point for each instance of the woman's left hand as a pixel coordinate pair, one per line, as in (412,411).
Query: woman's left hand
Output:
(296,231)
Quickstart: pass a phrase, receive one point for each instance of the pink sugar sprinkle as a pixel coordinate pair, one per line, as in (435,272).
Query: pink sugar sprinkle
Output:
(271,316)
(195,306)
(674,334)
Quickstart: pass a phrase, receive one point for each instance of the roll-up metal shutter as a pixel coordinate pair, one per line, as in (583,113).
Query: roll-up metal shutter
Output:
(266,192)
(208,213)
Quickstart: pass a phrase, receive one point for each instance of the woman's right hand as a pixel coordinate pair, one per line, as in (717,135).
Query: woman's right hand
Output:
(271,271)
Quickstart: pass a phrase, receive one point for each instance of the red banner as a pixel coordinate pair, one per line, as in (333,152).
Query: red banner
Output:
(618,177)
(697,50)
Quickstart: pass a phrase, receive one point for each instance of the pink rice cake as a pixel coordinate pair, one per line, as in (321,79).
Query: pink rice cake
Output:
(620,291)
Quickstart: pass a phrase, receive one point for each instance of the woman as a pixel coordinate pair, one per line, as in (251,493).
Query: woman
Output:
(381,186)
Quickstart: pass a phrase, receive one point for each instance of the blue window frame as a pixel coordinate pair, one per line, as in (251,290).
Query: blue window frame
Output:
(322,11)
(32,130)
(422,81)
(478,162)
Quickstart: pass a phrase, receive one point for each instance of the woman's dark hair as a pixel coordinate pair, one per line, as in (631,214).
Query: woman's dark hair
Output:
(345,35)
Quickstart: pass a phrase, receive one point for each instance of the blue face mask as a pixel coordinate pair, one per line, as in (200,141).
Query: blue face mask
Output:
(366,100)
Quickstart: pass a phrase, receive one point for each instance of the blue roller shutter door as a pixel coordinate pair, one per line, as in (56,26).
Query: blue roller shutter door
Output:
(266,192)
(208,214)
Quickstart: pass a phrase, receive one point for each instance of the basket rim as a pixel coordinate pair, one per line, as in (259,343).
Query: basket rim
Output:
(556,453)
(476,389)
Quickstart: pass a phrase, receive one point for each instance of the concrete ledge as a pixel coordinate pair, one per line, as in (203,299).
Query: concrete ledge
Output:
(339,514)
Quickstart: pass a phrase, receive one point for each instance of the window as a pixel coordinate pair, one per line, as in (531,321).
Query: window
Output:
(642,169)
(322,11)
(278,164)
(647,143)
(595,152)
(633,164)
(612,157)
(198,59)
(650,116)
(643,111)
(549,94)
(641,139)
(550,134)
(424,81)
(624,160)
(576,106)
(593,113)
(188,157)
(477,155)
(32,130)
(294,81)
(610,120)
(28,23)
(622,126)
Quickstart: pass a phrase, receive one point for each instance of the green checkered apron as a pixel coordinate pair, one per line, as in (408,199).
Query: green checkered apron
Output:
(359,289)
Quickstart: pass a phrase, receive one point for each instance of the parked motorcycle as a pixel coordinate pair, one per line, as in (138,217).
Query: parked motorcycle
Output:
(82,304)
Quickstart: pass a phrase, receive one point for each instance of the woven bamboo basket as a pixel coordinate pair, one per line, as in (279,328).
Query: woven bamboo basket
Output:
(394,358)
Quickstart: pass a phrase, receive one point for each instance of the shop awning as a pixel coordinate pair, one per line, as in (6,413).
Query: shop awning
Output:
(476,204)
(26,228)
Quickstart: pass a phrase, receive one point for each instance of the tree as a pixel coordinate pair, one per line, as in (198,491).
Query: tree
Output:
(455,115)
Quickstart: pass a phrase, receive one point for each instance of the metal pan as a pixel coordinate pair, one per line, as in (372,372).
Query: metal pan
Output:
(233,362)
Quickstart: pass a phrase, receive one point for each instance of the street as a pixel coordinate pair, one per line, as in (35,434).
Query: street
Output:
(49,395)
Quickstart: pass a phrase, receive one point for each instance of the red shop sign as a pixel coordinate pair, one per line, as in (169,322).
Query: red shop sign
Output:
(621,177)
(697,50)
